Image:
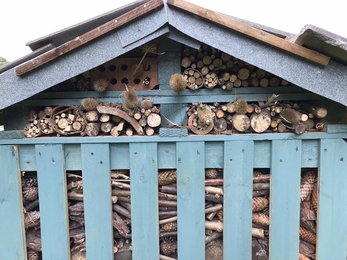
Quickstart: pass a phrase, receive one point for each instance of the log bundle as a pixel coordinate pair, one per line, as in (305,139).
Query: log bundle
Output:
(240,116)
(102,118)
(167,199)
(221,70)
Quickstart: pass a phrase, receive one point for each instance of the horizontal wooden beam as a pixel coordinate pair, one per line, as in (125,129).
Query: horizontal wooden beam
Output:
(89,36)
(250,31)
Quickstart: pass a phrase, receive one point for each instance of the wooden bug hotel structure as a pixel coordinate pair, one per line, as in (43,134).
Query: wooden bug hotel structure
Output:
(132,136)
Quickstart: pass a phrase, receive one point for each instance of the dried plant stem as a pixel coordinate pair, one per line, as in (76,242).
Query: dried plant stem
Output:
(164,257)
(214,208)
(120,185)
(213,190)
(168,220)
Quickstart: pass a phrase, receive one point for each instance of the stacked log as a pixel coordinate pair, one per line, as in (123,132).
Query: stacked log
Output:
(221,70)
(239,116)
(96,119)
(167,199)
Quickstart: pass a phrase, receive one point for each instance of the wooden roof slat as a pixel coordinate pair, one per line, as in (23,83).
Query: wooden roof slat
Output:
(255,33)
(89,36)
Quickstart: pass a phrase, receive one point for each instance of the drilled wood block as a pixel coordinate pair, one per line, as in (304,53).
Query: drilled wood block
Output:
(121,70)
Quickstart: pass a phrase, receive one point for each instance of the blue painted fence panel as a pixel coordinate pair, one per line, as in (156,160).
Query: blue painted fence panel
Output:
(97,200)
(12,244)
(284,157)
(53,201)
(237,206)
(285,199)
(332,207)
(144,200)
(191,199)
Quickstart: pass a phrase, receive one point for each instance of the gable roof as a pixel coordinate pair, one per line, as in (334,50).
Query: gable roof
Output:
(177,24)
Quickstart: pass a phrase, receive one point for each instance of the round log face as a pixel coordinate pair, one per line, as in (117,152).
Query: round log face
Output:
(196,130)
(260,122)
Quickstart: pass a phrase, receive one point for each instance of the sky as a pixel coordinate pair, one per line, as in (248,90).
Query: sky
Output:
(23,21)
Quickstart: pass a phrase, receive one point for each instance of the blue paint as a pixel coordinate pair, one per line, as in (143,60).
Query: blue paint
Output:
(237,206)
(53,201)
(144,201)
(191,199)
(285,199)
(332,207)
(12,244)
(97,200)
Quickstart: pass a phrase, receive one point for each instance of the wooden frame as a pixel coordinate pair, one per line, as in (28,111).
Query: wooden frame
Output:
(325,151)
(243,28)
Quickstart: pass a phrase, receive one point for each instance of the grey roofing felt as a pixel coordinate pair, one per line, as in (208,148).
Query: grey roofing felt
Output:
(329,82)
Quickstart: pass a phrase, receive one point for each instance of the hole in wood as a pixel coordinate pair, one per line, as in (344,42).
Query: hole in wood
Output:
(100,162)
(112,67)
(124,80)
(101,68)
(146,67)
(124,67)
(92,153)
(113,81)
(137,81)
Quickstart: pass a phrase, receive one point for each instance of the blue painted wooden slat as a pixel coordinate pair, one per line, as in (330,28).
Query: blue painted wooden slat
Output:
(191,200)
(51,177)
(12,243)
(285,199)
(97,200)
(332,208)
(237,208)
(144,201)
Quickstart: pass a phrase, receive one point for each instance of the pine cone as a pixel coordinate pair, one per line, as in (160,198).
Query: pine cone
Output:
(172,226)
(33,255)
(220,215)
(266,211)
(168,247)
(29,180)
(307,236)
(32,219)
(314,197)
(30,193)
(303,257)
(167,177)
(29,187)
(260,219)
(211,173)
(259,203)
(307,183)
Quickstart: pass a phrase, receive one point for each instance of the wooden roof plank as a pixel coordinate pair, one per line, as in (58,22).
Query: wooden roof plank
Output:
(89,36)
(255,33)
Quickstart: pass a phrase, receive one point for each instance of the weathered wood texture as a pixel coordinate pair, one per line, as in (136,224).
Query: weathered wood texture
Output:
(87,37)
(252,32)
(167,150)
(190,156)
(97,200)
(12,238)
(285,199)
(144,200)
(51,177)
(332,207)
(238,186)
(191,199)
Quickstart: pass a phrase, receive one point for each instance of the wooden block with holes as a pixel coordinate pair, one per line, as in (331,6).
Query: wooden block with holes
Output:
(126,70)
